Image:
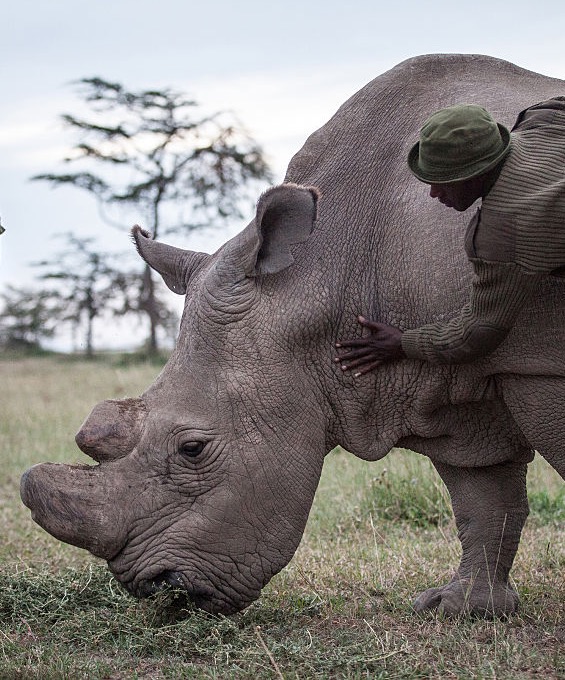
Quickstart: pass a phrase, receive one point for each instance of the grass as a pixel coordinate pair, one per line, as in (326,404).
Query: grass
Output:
(378,533)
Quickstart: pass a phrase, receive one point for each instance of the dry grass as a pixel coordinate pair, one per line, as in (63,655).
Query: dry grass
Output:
(341,609)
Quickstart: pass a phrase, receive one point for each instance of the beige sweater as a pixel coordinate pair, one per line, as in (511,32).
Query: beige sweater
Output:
(515,240)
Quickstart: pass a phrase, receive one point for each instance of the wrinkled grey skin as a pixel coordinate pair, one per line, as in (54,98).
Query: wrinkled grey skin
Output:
(253,384)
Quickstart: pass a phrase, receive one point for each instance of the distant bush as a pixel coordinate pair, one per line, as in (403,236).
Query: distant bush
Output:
(16,348)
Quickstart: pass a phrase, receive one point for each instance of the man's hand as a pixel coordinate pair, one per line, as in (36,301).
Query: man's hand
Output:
(365,354)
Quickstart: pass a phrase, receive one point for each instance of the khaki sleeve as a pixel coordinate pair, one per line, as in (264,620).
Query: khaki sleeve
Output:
(500,290)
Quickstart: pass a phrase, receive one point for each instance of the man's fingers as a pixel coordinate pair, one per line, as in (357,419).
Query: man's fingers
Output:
(354,363)
(352,342)
(381,344)
(367,369)
(355,354)
(356,342)
(374,326)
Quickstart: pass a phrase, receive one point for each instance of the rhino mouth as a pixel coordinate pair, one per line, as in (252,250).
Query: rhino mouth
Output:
(198,595)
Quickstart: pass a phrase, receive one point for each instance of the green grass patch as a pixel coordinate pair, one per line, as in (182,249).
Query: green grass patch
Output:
(548,507)
(408,490)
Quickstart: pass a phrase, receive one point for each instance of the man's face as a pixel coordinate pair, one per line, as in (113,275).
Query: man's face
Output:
(458,195)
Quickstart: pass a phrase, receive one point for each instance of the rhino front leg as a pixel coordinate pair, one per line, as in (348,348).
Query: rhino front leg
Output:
(490,506)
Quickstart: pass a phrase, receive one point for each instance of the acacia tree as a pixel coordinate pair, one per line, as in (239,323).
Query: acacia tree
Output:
(27,317)
(87,286)
(151,151)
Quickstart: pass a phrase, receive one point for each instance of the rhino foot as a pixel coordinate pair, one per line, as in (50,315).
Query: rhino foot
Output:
(485,600)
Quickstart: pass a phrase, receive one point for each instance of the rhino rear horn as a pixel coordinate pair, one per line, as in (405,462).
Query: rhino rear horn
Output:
(112,430)
(175,265)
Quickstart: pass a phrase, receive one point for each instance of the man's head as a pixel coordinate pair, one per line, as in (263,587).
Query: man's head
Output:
(458,148)
(460,195)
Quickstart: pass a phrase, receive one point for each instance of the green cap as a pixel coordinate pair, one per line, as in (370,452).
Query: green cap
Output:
(458,143)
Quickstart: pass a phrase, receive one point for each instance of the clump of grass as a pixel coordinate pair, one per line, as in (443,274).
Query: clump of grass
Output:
(409,490)
(547,507)
(40,608)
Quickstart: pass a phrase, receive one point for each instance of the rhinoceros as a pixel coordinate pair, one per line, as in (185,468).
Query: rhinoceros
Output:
(206,480)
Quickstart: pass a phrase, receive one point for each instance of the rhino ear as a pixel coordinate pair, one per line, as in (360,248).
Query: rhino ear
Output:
(175,265)
(285,215)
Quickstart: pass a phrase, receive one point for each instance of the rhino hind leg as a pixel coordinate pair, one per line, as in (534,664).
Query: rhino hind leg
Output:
(490,506)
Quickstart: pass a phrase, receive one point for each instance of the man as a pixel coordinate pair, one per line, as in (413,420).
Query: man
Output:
(514,240)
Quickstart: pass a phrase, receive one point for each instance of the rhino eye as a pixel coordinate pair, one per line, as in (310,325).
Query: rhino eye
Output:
(191,449)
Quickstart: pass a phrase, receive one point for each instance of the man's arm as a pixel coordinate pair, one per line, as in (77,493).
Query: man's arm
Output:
(500,291)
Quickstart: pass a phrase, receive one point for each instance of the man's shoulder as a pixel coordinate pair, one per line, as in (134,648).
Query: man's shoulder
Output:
(532,178)
(548,112)
(522,217)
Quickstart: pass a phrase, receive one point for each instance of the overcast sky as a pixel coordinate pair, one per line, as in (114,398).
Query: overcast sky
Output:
(282,67)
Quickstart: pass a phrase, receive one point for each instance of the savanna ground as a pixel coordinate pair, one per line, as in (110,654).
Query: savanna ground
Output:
(378,534)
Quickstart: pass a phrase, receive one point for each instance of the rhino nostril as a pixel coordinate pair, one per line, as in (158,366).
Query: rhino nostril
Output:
(196,594)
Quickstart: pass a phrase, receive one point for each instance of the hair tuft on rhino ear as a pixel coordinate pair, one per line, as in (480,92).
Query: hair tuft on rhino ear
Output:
(175,265)
(135,230)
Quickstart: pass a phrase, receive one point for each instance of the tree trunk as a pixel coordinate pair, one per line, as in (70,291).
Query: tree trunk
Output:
(89,349)
(149,304)
(90,314)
